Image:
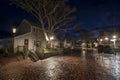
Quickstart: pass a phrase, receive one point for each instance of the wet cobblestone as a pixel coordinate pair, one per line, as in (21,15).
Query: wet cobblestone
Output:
(62,67)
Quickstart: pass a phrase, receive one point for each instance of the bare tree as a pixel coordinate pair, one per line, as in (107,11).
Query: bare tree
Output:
(51,14)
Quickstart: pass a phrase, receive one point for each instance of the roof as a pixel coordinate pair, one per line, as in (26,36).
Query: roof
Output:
(7,34)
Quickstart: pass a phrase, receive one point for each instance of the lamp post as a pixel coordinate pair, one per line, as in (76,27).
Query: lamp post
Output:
(114,40)
(14,31)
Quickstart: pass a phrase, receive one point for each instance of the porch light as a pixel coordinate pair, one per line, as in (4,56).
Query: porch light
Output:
(14,30)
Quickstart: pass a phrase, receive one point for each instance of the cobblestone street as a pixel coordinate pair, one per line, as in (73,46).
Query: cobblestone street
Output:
(63,67)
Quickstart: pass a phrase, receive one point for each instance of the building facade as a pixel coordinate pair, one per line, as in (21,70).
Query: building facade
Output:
(29,37)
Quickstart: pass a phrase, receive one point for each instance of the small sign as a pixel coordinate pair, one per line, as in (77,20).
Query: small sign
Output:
(26,43)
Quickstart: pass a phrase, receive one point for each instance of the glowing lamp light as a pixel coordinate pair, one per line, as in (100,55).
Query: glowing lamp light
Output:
(113,40)
(51,38)
(101,39)
(114,36)
(106,38)
(14,30)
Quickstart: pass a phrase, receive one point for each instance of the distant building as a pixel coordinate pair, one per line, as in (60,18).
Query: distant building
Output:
(29,36)
(107,39)
(67,43)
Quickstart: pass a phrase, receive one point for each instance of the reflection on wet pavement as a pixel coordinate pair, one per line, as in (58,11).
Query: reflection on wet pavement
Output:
(112,64)
(82,66)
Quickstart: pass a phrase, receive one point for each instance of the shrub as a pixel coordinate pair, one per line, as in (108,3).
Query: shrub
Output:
(107,49)
(20,53)
(76,50)
(100,48)
(6,52)
(9,52)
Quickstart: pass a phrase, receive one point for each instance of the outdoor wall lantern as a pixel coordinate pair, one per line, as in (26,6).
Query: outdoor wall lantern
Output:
(14,30)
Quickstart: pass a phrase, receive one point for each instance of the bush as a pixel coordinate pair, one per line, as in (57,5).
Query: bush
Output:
(8,52)
(20,53)
(107,49)
(100,48)
(67,50)
(76,51)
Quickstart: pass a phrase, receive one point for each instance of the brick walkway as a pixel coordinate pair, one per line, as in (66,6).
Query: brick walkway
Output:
(111,63)
(63,67)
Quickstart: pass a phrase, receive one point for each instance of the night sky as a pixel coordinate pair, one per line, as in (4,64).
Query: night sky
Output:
(91,13)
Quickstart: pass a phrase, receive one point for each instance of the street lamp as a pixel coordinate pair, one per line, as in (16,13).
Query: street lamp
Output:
(114,36)
(106,38)
(101,40)
(114,40)
(14,31)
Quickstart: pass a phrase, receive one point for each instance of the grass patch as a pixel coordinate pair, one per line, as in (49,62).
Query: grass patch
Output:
(51,50)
